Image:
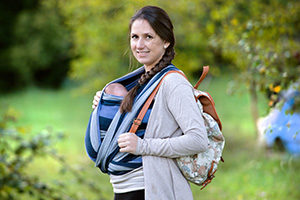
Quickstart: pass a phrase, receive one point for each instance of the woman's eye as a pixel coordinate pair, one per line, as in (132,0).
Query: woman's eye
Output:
(149,36)
(134,36)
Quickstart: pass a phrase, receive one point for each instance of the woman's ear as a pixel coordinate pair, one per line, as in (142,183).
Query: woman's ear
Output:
(166,44)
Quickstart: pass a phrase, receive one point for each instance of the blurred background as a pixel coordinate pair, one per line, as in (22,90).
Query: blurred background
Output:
(55,54)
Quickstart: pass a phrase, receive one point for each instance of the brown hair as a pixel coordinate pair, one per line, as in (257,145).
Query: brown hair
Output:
(162,25)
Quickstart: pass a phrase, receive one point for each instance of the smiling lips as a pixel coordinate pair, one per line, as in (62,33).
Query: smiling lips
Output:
(142,53)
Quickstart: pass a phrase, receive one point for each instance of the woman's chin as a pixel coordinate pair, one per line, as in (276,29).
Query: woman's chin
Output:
(142,61)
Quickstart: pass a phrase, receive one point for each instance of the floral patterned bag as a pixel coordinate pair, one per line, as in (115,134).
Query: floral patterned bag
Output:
(200,168)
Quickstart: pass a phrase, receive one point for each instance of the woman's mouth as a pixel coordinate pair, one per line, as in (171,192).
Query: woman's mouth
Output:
(142,53)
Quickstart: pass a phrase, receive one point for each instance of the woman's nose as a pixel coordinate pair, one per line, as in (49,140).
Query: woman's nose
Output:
(140,44)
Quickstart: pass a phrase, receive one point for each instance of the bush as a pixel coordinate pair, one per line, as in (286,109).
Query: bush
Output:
(17,153)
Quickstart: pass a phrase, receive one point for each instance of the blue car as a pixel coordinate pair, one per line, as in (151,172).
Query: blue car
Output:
(282,126)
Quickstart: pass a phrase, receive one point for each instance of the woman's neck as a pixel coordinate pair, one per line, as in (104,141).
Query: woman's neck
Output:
(148,68)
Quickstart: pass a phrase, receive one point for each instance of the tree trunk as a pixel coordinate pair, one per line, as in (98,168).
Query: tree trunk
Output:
(254,111)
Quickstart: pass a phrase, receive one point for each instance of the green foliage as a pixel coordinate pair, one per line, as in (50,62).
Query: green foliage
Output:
(260,38)
(18,152)
(39,47)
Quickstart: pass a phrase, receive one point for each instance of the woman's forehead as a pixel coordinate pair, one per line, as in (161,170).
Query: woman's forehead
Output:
(141,26)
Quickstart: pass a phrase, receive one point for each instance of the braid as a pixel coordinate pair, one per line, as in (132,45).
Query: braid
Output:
(127,102)
(164,61)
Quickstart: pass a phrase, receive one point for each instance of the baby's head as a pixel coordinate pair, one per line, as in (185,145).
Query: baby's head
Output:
(116,89)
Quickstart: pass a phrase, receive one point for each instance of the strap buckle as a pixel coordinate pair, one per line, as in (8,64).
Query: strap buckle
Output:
(137,121)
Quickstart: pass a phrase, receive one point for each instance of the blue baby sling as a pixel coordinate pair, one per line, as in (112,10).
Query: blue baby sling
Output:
(106,123)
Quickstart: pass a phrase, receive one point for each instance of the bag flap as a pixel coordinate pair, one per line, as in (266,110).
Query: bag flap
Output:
(209,107)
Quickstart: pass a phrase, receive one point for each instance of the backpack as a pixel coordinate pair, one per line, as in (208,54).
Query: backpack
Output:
(199,168)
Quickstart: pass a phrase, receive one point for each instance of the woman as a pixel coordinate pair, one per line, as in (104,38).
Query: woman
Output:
(174,126)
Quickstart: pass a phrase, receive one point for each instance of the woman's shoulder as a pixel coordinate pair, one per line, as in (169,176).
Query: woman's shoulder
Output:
(174,80)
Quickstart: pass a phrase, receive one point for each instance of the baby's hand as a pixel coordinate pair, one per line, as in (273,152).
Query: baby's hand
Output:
(96,99)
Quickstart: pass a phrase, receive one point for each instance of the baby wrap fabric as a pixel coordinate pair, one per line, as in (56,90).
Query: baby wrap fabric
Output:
(101,142)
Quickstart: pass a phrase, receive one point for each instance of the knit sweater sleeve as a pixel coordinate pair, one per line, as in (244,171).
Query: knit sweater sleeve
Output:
(181,103)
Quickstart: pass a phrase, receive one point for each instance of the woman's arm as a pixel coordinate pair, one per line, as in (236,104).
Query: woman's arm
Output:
(182,105)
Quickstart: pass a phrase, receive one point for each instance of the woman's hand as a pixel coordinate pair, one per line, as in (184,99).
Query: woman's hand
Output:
(128,142)
(96,99)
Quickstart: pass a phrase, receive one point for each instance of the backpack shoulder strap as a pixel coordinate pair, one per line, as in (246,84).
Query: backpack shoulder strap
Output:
(203,75)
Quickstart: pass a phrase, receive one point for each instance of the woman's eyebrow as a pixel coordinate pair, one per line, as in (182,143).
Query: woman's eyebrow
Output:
(147,33)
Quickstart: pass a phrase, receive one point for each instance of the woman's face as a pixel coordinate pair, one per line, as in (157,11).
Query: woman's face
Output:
(146,46)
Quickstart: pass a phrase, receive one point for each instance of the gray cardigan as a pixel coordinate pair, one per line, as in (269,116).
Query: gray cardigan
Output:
(175,128)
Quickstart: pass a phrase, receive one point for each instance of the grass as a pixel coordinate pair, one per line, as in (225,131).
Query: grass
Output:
(249,172)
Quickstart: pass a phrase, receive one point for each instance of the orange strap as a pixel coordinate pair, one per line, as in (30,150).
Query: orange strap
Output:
(137,122)
(204,72)
(210,175)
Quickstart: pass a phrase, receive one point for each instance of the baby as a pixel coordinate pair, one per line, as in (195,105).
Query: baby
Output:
(116,89)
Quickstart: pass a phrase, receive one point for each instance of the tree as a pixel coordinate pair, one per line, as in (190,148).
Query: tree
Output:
(36,46)
(260,38)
